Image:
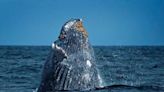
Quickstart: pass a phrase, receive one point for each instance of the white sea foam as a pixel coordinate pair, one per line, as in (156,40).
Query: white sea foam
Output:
(101,81)
(89,63)
(53,46)
(35,90)
(86,77)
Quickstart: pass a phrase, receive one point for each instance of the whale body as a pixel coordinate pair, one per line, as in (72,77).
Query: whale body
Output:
(71,62)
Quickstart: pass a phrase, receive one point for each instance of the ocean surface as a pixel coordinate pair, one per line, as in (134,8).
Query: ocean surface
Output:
(122,68)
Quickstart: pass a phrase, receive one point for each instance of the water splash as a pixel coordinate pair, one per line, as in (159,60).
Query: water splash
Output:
(35,90)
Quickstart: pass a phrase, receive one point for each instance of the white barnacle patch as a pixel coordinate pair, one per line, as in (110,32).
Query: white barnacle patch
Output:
(89,63)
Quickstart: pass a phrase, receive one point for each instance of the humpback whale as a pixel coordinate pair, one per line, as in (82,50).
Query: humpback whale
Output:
(71,62)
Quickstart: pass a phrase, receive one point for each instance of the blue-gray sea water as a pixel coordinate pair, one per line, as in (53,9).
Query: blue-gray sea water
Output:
(122,68)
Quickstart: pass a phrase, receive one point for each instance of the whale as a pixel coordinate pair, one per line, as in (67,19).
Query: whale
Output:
(70,64)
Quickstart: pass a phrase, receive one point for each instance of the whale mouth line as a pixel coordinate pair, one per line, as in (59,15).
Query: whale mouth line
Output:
(56,47)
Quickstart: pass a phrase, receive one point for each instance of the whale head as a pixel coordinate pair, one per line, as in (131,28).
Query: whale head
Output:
(72,38)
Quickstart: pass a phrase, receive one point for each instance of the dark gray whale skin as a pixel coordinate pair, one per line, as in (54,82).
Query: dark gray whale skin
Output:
(70,64)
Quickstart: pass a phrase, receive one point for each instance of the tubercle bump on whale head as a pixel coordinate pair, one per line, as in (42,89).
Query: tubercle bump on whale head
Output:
(73,37)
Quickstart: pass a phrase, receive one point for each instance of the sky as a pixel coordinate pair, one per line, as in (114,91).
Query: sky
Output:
(108,22)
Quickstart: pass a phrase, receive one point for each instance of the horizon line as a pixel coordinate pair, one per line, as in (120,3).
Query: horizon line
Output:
(92,45)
